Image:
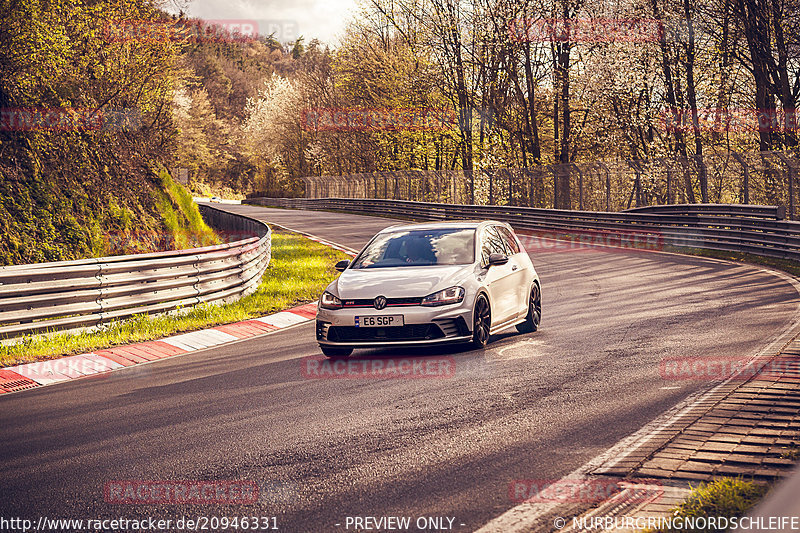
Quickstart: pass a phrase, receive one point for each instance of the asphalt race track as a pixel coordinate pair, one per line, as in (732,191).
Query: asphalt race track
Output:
(528,407)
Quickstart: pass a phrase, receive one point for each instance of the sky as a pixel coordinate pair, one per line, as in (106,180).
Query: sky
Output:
(289,19)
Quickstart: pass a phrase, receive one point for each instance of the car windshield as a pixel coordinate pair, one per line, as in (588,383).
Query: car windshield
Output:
(422,247)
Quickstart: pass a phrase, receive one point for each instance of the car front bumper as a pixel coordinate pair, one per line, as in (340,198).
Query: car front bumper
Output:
(422,325)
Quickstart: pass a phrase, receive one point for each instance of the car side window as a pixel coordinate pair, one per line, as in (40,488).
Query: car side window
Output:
(509,240)
(491,243)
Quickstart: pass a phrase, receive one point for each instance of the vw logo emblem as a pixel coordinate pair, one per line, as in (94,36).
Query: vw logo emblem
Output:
(380,302)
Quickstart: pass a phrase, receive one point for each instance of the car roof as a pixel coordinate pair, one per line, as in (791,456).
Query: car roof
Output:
(454,224)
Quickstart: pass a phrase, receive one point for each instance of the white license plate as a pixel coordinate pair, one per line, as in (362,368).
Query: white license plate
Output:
(379,321)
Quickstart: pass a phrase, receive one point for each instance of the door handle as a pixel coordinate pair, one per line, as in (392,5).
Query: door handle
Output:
(514,267)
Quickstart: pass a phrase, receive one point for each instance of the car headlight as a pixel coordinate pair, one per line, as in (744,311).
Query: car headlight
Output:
(329,301)
(452,295)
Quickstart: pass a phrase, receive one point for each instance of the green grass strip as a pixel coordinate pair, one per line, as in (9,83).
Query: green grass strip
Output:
(726,497)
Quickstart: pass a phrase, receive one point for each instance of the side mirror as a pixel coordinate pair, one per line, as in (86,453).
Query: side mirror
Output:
(498,259)
(344,263)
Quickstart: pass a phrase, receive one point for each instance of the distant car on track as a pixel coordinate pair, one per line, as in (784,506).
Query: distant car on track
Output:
(430,283)
(216,199)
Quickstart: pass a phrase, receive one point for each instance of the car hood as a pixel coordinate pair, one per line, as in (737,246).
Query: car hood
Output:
(403,282)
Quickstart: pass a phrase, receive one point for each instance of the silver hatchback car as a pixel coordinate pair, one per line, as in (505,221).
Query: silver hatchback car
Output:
(430,283)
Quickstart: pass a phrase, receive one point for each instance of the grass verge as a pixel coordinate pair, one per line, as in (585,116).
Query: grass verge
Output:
(181,216)
(728,497)
(299,271)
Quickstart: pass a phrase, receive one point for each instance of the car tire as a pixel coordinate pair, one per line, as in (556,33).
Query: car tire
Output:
(534,317)
(481,322)
(336,353)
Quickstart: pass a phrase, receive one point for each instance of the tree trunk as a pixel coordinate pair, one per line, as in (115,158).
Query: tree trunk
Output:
(672,101)
(692,98)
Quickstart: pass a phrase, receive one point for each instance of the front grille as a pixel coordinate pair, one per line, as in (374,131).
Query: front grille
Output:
(390,302)
(453,327)
(449,327)
(410,332)
(322,329)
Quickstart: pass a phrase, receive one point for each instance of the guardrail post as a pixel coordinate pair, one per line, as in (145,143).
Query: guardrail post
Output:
(561,186)
(637,182)
(100,294)
(791,192)
(510,187)
(687,179)
(669,185)
(703,178)
(638,189)
(529,177)
(491,186)
(746,178)
(580,185)
(790,170)
(601,167)
(471,187)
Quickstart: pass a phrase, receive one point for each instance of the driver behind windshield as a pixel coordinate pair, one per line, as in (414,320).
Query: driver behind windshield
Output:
(419,251)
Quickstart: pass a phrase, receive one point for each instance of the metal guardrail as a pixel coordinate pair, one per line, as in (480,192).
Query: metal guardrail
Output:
(752,231)
(65,295)
(741,210)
